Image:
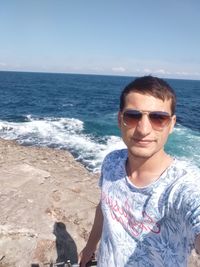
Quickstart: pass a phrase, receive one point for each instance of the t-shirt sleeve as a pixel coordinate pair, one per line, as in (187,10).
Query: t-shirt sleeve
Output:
(102,172)
(106,166)
(100,179)
(191,210)
(111,164)
(194,214)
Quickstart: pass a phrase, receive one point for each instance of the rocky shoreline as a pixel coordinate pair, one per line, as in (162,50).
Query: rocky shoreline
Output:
(48,202)
(44,192)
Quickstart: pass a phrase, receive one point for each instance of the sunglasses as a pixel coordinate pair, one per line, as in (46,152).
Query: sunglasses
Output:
(158,119)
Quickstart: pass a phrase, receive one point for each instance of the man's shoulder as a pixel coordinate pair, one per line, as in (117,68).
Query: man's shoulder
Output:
(113,167)
(186,165)
(114,159)
(116,155)
(185,171)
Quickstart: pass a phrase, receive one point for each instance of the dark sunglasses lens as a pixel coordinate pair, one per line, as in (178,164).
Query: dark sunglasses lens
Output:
(131,118)
(159,119)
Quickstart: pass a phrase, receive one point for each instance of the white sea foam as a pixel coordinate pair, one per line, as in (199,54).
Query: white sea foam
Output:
(186,144)
(65,133)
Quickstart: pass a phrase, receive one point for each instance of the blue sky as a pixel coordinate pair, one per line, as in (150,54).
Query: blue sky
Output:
(129,37)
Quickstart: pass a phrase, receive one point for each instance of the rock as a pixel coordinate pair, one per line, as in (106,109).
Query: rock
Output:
(36,194)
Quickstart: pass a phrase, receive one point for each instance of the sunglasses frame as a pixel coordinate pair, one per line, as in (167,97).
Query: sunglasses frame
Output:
(148,113)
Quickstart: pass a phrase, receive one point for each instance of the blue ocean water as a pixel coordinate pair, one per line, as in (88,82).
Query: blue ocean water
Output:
(79,113)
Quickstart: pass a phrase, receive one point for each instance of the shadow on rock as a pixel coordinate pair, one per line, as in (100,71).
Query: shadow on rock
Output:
(65,245)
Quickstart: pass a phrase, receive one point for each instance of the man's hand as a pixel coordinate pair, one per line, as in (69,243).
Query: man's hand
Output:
(85,256)
(197,243)
(87,253)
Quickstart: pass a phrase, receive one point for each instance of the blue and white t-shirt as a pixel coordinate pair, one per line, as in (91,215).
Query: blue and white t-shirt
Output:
(153,226)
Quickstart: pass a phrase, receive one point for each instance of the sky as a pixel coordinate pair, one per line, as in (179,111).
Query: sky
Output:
(112,37)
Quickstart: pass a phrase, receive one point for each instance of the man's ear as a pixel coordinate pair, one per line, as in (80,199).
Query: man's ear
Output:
(173,122)
(119,119)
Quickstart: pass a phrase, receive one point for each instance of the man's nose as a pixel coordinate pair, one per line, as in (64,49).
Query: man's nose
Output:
(144,125)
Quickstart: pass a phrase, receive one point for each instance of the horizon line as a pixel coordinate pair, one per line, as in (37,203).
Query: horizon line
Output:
(99,74)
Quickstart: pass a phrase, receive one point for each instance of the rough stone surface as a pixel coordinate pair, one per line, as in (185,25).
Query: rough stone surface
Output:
(48,202)
(40,187)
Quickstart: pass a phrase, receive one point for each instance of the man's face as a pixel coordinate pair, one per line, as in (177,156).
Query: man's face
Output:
(142,140)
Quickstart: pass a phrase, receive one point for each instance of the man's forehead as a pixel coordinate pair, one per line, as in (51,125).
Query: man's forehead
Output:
(141,101)
(136,95)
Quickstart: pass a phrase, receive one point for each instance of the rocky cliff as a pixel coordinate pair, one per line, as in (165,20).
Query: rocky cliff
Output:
(47,201)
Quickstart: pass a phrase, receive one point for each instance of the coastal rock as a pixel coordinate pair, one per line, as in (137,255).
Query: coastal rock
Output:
(47,198)
(48,202)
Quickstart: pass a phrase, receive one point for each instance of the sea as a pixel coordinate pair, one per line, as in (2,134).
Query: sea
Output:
(78,113)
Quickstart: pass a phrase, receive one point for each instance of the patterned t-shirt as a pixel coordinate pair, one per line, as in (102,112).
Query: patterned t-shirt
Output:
(152,226)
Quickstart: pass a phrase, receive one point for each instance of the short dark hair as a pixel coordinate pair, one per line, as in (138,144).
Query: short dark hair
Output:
(152,86)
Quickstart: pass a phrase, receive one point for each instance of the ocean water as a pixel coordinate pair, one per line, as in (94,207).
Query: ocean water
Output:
(79,113)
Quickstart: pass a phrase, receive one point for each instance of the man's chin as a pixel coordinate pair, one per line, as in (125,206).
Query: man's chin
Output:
(140,153)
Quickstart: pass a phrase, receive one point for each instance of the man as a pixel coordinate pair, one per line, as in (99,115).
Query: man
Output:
(149,212)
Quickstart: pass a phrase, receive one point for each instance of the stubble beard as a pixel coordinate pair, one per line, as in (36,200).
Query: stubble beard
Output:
(140,154)
(143,153)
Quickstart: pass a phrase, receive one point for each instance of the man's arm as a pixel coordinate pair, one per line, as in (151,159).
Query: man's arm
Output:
(197,244)
(94,237)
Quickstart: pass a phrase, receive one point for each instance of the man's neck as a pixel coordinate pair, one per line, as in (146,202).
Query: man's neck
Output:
(143,171)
